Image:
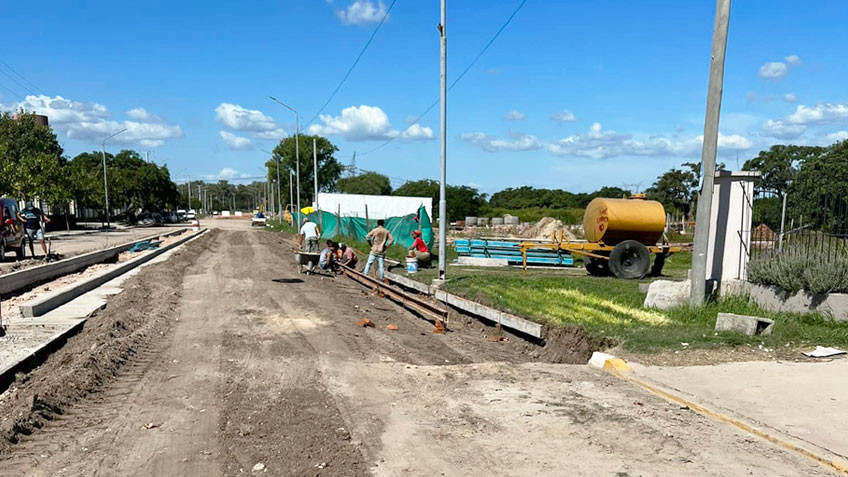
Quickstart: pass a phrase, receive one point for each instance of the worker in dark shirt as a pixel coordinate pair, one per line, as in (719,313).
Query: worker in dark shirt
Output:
(32,218)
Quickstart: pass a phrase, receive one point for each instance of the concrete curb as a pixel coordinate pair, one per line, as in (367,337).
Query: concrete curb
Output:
(23,278)
(55,342)
(619,368)
(60,297)
(506,320)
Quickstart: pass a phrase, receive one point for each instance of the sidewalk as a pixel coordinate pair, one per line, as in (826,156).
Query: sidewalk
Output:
(805,401)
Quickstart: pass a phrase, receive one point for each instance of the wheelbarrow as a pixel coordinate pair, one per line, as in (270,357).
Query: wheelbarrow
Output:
(306,259)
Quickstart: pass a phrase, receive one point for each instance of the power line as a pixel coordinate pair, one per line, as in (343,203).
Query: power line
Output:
(23,77)
(17,82)
(461,75)
(350,70)
(12,91)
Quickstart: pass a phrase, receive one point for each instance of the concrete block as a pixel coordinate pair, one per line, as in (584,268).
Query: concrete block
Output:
(749,325)
(504,319)
(665,294)
(483,262)
(835,306)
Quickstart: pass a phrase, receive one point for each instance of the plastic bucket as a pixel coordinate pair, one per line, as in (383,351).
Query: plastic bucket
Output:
(411,265)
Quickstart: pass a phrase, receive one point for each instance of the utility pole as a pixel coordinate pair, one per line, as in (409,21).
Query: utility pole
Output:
(189,194)
(291,190)
(296,154)
(708,154)
(105,182)
(315,170)
(443,213)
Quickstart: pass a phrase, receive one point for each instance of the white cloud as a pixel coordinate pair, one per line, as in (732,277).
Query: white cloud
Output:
(141,114)
(775,70)
(361,12)
(236,142)
(91,121)
(821,113)
(790,98)
(600,144)
(780,129)
(837,136)
(365,123)
(516,142)
(563,116)
(514,115)
(257,123)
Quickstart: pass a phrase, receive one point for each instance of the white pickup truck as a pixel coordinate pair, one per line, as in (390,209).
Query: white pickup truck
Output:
(258,219)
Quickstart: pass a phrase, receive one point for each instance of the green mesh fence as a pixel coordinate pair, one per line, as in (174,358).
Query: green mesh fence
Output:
(356,227)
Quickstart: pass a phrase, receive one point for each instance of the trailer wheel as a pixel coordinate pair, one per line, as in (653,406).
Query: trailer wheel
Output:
(597,267)
(630,260)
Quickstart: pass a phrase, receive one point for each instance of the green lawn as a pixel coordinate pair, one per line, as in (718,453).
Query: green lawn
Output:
(612,308)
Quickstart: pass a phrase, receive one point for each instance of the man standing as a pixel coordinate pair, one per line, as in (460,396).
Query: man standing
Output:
(32,217)
(310,232)
(380,240)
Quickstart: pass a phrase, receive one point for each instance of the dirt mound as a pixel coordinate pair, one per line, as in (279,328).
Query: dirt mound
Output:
(110,339)
(545,230)
(570,345)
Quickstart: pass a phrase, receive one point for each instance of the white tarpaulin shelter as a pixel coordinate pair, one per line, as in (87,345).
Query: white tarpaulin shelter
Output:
(379,206)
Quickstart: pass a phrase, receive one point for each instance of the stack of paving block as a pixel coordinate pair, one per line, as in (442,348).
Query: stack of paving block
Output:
(510,250)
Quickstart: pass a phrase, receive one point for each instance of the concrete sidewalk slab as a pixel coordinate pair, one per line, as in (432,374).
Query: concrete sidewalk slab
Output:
(803,400)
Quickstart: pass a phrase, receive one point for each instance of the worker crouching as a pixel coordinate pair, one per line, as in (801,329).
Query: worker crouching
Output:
(419,250)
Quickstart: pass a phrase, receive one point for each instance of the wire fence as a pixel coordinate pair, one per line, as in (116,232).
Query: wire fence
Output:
(806,222)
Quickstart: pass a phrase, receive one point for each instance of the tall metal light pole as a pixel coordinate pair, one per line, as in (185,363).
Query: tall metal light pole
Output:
(708,154)
(296,154)
(315,172)
(105,182)
(291,189)
(443,213)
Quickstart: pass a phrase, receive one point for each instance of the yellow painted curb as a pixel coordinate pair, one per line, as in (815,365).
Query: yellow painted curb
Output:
(618,367)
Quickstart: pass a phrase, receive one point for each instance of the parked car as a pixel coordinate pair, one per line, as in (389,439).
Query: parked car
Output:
(171,217)
(191,214)
(157,217)
(146,219)
(181,214)
(12,236)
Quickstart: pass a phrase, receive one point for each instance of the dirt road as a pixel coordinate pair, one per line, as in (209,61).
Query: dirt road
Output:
(225,360)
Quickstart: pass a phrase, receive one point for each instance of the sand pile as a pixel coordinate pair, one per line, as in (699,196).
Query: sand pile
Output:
(545,230)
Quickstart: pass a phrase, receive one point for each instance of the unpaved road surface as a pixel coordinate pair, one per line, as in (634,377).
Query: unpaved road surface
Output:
(224,358)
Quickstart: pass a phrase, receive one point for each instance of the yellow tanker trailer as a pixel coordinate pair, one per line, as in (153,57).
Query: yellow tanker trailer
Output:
(621,235)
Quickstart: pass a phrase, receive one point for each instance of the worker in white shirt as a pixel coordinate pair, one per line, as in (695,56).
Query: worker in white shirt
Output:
(309,232)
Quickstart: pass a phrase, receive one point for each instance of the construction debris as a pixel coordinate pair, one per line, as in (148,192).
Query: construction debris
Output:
(365,322)
(391,326)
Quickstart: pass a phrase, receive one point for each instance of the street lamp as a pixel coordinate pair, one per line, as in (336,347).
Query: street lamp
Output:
(296,155)
(105,182)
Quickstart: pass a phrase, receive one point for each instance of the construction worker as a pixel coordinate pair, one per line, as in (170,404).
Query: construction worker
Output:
(380,240)
(419,249)
(33,218)
(310,233)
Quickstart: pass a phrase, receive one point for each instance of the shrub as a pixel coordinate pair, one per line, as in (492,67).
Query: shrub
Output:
(813,272)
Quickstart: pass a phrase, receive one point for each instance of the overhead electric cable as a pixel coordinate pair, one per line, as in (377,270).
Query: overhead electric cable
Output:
(350,70)
(17,82)
(12,91)
(23,77)
(470,65)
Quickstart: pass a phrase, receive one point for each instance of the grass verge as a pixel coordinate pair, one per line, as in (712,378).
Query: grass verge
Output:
(611,308)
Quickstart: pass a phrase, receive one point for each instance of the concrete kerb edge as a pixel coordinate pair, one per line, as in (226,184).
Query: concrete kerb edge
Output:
(64,295)
(23,278)
(506,320)
(620,369)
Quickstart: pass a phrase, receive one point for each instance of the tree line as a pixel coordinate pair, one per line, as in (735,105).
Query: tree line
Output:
(34,166)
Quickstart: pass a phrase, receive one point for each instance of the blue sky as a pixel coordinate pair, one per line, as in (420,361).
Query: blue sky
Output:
(573,94)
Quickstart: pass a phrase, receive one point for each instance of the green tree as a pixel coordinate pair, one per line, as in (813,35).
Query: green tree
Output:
(611,193)
(32,163)
(367,183)
(462,201)
(820,187)
(329,169)
(779,165)
(674,190)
